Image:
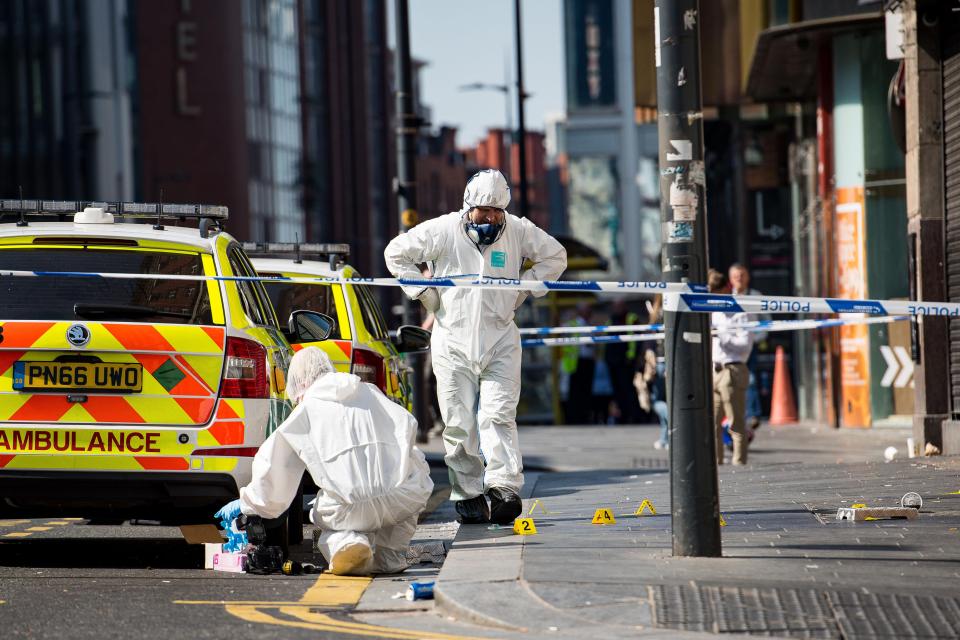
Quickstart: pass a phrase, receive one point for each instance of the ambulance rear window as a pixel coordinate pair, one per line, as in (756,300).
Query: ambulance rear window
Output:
(288,298)
(146,299)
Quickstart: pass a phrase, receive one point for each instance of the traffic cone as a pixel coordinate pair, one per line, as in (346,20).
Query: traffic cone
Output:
(783,406)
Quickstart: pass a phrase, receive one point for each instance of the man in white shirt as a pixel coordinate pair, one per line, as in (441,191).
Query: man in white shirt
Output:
(731,349)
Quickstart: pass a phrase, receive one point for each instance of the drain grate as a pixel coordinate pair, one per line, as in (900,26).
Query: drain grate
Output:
(796,613)
(804,613)
(895,616)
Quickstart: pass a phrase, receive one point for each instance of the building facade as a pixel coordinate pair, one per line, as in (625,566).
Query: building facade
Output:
(67,81)
(279,109)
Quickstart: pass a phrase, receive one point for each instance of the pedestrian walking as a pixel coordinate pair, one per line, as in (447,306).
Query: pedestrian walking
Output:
(731,349)
(739,277)
(655,383)
(621,359)
(580,402)
(475,342)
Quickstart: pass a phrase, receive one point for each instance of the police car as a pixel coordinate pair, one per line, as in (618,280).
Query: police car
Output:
(360,341)
(135,395)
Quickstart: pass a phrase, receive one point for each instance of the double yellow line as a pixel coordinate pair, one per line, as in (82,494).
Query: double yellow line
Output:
(29,531)
(328,592)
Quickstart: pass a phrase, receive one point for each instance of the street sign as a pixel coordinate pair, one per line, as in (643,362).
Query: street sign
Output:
(899,366)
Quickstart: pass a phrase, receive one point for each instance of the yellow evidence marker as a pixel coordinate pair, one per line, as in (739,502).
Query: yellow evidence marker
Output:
(603,516)
(858,505)
(538,503)
(723,522)
(524,527)
(646,504)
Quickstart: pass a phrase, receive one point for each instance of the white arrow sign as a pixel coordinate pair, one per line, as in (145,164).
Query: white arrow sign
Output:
(899,366)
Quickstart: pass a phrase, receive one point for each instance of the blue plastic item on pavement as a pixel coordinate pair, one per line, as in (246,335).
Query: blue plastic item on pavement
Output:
(420,591)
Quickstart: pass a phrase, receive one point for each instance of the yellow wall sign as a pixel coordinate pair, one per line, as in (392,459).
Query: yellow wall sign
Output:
(603,516)
(524,527)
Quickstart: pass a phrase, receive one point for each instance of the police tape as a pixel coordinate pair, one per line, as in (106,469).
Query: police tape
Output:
(677,296)
(753,327)
(613,328)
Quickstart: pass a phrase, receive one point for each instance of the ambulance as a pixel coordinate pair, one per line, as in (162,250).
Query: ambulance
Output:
(143,395)
(360,342)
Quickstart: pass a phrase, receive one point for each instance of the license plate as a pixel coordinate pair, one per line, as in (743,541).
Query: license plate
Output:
(77,376)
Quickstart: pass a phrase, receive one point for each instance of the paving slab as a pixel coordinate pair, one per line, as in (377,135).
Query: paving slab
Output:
(790,569)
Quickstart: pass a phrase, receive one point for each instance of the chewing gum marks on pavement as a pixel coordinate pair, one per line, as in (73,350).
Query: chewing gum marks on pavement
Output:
(646,505)
(603,516)
(524,527)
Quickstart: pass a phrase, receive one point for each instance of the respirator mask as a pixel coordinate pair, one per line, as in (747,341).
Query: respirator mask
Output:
(483,234)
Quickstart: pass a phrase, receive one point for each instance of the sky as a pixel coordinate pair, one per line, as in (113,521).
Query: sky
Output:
(467,41)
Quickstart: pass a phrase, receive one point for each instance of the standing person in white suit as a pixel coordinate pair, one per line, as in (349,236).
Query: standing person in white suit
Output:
(476,344)
(357,445)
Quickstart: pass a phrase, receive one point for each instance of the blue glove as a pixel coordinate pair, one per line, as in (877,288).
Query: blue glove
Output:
(228,513)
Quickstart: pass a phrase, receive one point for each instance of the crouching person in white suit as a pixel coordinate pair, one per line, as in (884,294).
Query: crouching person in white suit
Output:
(358,447)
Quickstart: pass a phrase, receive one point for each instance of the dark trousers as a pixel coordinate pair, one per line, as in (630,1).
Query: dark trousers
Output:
(580,398)
(624,394)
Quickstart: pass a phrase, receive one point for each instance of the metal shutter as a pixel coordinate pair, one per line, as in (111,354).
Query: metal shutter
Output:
(951,153)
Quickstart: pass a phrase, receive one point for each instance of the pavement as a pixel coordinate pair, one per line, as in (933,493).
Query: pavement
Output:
(789,568)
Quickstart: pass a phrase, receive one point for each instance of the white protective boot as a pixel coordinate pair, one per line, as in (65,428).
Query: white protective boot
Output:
(349,553)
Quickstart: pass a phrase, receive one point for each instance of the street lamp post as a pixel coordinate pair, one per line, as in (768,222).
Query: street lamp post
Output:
(521,128)
(508,113)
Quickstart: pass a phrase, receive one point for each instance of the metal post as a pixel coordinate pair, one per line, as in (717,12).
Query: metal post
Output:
(521,128)
(406,187)
(693,467)
(406,181)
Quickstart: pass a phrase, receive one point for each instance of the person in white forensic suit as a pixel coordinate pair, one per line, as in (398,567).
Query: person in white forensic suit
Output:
(476,343)
(357,445)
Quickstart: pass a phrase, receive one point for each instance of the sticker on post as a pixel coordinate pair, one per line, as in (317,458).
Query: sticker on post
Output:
(678,232)
(692,337)
(683,151)
(683,201)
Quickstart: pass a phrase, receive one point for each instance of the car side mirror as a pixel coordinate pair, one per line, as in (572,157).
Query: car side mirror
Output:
(309,326)
(411,339)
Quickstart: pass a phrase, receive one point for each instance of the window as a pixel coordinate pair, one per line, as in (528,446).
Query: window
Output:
(252,296)
(288,297)
(149,300)
(372,319)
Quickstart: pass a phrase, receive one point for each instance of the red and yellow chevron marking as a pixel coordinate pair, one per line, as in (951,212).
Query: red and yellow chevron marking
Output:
(181,364)
(29,447)
(118,463)
(340,352)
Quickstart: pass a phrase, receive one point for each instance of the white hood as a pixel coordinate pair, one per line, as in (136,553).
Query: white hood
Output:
(334,387)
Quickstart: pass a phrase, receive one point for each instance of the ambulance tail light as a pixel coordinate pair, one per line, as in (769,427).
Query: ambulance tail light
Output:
(245,370)
(369,367)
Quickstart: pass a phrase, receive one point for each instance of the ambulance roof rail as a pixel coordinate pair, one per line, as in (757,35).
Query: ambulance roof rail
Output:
(335,253)
(145,210)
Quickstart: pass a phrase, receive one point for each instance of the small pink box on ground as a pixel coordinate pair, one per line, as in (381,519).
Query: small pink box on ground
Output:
(230,562)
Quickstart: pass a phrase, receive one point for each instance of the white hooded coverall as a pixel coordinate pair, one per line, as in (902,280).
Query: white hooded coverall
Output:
(475,344)
(358,447)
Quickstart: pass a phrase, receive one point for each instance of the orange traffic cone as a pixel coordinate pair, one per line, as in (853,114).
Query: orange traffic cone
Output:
(783,407)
